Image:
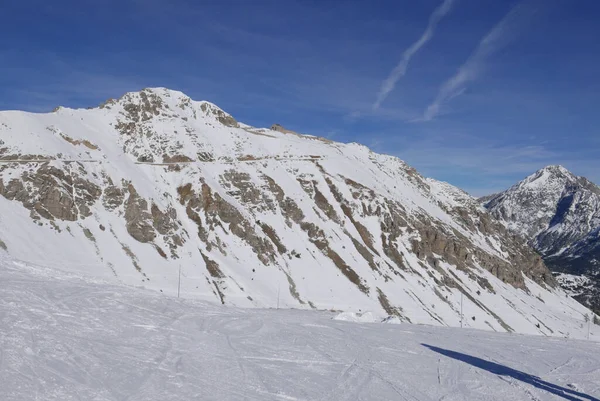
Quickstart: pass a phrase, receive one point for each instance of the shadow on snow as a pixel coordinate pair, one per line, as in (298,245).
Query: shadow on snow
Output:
(501,370)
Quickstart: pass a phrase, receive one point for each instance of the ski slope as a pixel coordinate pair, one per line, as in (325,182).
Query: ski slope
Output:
(63,337)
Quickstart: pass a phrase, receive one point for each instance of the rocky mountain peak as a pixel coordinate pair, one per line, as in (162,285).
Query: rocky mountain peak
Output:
(150,103)
(559,214)
(556,169)
(548,179)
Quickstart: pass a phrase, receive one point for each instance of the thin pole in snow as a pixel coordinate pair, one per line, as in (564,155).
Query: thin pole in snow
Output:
(179,282)
(461,310)
(278,288)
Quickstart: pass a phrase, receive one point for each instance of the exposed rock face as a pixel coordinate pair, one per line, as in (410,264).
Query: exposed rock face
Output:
(112,197)
(52,193)
(177,191)
(138,219)
(280,128)
(559,214)
(219,213)
(220,115)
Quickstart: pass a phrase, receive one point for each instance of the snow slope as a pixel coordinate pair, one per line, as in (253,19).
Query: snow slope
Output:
(64,337)
(160,191)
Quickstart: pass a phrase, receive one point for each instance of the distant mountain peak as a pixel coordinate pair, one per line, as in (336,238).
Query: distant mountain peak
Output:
(555,168)
(551,172)
(559,213)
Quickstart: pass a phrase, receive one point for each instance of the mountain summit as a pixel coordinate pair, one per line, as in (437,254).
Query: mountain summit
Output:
(559,213)
(155,189)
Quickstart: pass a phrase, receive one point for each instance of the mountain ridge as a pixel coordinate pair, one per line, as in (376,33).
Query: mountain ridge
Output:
(154,186)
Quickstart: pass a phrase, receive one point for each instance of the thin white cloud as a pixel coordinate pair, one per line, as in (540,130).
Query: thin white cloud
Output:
(400,70)
(495,39)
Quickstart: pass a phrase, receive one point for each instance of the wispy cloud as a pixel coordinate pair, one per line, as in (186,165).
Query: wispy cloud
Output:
(400,70)
(500,35)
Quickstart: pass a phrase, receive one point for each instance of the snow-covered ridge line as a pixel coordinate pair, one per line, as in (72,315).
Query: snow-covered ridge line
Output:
(258,217)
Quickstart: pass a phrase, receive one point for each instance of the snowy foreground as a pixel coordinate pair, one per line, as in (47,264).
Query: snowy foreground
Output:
(65,338)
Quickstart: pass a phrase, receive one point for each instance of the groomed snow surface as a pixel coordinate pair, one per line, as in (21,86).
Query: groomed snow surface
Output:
(64,337)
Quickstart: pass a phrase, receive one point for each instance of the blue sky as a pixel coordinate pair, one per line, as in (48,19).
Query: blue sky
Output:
(479,93)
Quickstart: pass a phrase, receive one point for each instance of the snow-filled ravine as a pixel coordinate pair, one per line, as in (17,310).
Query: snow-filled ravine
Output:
(64,337)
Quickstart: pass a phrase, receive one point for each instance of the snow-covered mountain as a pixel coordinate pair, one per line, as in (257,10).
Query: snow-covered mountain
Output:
(560,214)
(155,189)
